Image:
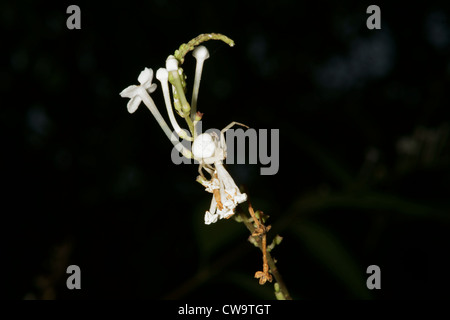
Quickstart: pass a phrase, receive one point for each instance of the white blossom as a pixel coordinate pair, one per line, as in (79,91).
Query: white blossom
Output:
(141,93)
(226,195)
(134,92)
(210,218)
(229,186)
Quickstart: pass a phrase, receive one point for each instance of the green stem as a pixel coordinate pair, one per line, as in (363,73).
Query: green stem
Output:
(174,79)
(186,47)
(191,126)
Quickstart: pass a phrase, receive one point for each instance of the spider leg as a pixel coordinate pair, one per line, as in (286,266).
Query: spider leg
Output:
(223,145)
(200,166)
(233,124)
(208,168)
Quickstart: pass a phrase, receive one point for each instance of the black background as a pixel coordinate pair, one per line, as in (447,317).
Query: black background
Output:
(86,183)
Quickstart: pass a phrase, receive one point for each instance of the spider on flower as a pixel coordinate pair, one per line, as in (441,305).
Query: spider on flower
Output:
(210,151)
(207,148)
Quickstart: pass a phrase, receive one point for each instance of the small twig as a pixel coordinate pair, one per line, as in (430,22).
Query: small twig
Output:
(260,229)
(260,232)
(264,275)
(269,262)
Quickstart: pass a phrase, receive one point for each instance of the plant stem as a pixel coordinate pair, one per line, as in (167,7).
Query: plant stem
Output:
(148,101)
(186,47)
(270,261)
(191,126)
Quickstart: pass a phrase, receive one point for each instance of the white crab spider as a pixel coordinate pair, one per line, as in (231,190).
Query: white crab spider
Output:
(210,151)
(207,148)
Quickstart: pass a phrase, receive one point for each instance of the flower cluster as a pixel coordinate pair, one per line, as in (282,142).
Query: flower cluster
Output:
(206,148)
(226,195)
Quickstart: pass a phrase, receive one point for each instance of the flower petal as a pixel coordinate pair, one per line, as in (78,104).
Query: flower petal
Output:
(213,205)
(211,185)
(229,188)
(210,218)
(145,75)
(223,214)
(240,197)
(225,177)
(129,92)
(133,104)
(227,199)
(151,87)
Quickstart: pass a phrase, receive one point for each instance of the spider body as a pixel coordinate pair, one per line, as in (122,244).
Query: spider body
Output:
(208,149)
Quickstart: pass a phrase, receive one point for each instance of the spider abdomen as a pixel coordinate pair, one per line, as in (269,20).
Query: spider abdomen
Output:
(204,146)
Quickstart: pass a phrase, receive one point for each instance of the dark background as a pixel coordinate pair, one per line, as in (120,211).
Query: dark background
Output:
(364,151)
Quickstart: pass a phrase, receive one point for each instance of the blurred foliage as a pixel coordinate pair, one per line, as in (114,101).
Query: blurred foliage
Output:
(364,152)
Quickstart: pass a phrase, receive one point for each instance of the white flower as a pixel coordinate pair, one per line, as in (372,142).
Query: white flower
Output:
(226,195)
(141,93)
(228,185)
(217,211)
(210,218)
(211,185)
(135,92)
